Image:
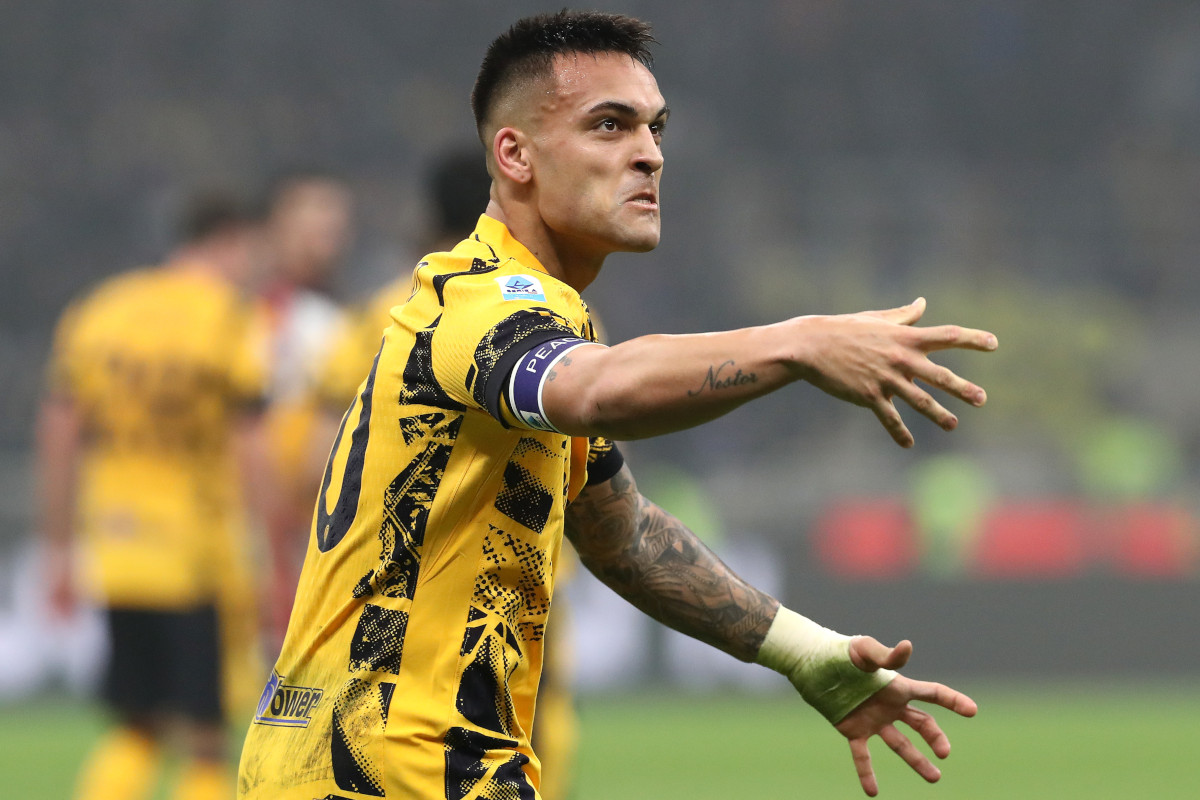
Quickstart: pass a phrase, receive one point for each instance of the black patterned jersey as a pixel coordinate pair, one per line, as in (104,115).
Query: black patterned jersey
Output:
(411,662)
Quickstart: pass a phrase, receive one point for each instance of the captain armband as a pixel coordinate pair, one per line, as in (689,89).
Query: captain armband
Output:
(817,662)
(529,376)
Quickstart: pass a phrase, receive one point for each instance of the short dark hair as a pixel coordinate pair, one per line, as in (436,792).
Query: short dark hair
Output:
(526,51)
(212,212)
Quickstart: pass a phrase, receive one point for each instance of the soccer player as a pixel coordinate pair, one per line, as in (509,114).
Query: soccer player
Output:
(154,387)
(484,430)
(309,229)
(458,187)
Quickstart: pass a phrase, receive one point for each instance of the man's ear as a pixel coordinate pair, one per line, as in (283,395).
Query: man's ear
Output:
(511,155)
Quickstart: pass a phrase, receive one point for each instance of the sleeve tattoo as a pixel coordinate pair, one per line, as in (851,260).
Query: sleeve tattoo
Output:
(652,560)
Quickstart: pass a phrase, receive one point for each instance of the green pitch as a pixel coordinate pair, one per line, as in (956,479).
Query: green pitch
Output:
(1086,741)
(1090,741)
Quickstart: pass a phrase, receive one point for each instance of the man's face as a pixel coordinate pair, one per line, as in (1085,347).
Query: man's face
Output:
(596,154)
(312,227)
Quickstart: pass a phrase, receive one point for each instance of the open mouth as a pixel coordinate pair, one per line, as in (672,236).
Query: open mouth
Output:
(644,199)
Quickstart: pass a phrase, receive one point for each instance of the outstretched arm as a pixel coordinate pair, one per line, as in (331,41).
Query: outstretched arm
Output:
(653,561)
(59,438)
(658,384)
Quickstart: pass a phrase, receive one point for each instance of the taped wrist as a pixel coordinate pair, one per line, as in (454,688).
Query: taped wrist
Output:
(817,662)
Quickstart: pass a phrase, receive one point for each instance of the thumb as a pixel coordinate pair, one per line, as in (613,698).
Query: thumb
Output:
(902,315)
(869,655)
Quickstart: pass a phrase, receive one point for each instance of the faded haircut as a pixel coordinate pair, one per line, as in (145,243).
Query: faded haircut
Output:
(526,51)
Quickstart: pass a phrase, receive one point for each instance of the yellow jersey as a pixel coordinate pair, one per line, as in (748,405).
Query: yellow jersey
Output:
(158,362)
(411,663)
(355,344)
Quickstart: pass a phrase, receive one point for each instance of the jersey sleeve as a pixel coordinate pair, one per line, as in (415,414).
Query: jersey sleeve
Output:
(489,322)
(604,460)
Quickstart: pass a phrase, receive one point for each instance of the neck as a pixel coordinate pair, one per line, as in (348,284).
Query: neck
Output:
(199,259)
(195,260)
(565,259)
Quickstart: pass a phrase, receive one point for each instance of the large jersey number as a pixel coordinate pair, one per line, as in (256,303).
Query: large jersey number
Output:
(332,526)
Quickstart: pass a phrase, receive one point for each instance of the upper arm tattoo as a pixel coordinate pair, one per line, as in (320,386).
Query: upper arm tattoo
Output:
(652,560)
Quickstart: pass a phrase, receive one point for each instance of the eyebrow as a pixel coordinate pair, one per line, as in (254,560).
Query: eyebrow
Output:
(625,109)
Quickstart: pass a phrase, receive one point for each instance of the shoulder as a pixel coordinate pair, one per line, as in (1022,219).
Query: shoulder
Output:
(510,285)
(118,287)
(106,298)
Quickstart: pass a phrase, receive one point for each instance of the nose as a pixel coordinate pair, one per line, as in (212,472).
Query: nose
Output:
(649,158)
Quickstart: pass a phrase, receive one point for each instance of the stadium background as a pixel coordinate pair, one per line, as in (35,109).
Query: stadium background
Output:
(1031,167)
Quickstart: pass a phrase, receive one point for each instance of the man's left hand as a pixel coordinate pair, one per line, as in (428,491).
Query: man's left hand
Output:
(877,714)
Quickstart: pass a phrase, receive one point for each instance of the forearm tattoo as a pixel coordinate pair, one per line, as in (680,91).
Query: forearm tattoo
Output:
(652,560)
(723,376)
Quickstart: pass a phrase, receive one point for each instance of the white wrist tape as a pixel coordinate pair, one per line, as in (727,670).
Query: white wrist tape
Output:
(817,662)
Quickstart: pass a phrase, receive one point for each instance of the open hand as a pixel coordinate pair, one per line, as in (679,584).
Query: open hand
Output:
(872,357)
(877,714)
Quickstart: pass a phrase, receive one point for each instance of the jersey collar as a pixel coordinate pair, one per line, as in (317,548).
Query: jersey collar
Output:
(496,234)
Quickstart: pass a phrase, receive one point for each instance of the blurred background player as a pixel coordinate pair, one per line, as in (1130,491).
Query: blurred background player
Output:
(154,389)
(458,186)
(309,231)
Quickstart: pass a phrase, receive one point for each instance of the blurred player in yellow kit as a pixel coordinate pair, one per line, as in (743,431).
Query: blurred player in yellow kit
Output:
(155,387)
(308,226)
(458,186)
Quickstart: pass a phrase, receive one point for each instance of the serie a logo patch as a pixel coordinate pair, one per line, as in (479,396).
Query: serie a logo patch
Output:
(521,287)
(286,706)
